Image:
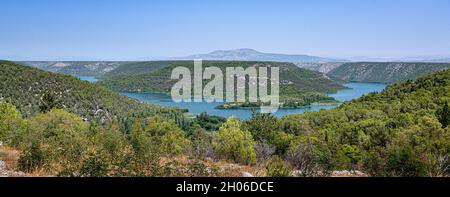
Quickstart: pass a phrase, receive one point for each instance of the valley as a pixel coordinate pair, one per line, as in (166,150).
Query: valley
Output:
(298,87)
(50,119)
(355,91)
(306,86)
(227,90)
(69,123)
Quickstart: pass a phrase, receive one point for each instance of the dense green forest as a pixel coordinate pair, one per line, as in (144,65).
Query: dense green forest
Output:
(31,90)
(137,68)
(384,72)
(298,87)
(402,131)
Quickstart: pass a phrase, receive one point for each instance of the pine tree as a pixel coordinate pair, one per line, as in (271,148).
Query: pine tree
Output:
(137,137)
(48,102)
(443,115)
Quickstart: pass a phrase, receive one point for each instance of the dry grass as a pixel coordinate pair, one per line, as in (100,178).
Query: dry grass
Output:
(237,170)
(37,173)
(224,169)
(11,157)
(347,173)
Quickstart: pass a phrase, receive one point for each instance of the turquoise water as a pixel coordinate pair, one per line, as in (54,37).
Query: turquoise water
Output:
(88,78)
(357,90)
(196,108)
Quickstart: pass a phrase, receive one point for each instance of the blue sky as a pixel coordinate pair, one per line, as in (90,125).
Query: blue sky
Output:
(133,29)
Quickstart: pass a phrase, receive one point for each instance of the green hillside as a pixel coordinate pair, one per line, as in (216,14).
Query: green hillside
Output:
(384,72)
(137,68)
(30,88)
(298,87)
(402,131)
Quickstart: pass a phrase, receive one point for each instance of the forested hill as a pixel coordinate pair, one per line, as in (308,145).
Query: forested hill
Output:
(137,68)
(402,131)
(298,86)
(384,72)
(32,90)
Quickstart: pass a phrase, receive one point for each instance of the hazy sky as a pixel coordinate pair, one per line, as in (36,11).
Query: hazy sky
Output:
(131,29)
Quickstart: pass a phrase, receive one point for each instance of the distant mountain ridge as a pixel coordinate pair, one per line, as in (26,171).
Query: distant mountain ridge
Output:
(76,68)
(241,54)
(246,54)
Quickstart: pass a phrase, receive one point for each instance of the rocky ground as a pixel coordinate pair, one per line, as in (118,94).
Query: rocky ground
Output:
(3,172)
(8,159)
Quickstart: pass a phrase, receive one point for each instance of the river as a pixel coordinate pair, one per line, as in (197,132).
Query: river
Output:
(356,90)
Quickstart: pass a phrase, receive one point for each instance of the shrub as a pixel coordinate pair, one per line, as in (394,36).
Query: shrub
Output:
(197,168)
(348,156)
(201,143)
(264,151)
(169,139)
(235,144)
(404,162)
(302,158)
(63,137)
(12,125)
(268,128)
(31,159)
(276,167)
(262,126)
(115,150)
(94,166)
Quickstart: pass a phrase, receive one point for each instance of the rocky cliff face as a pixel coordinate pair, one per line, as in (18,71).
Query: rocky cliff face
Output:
(320,67)
(386,72)
(75,67)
